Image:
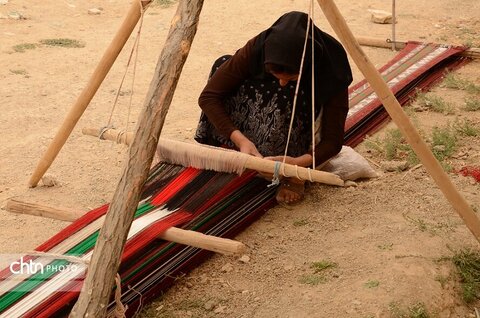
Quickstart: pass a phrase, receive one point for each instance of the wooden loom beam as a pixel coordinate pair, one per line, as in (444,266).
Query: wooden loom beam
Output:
(89,91)
(173,234)
(399,117)
(62,214)
(251,162)
(473,52)
(97,287)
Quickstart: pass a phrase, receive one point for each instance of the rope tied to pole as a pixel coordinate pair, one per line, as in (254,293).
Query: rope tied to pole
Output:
(276,175)
(103,130)
(133,51)
(120,308)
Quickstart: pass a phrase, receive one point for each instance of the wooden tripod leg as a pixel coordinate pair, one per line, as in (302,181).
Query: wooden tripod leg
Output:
(395,111)
(94,298)
(88,92)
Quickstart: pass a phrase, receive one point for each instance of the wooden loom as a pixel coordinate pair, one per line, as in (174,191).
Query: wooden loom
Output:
(417,66)
(179,42)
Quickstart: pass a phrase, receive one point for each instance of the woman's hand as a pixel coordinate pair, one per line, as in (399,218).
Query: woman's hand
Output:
(305,160)
(244,144)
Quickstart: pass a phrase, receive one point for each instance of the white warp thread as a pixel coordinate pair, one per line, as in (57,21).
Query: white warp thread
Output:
(187,154)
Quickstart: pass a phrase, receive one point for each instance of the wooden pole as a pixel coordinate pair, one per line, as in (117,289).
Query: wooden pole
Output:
(63,214)
(395,111)
(394,22)
(89,91)
(207,242)
(173,234)
(198,150)
(381,43)
(98,284)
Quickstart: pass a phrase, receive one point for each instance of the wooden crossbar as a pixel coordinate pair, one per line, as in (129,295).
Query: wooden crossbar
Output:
(173,234)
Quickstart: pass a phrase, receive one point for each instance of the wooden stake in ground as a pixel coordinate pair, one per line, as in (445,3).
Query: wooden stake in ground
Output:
(395,111)
(103,267)
(89,91)
(394,22)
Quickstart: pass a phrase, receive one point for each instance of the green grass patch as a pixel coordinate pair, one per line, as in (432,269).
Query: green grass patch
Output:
(386,246)
(466,128)
(319,273)
(432,228)
(467,263)
(416,310)
(392,143)
(21,48)
(312,279)
(419,223)
(322,265)
(19,72)
(473,89)
(443,142)
(165,3)
(435,103)
(372,284)
(301,222)
(454,82)
(442,38)
(467,35)
(374,144)
(392,147)
(62,42)
(472,104)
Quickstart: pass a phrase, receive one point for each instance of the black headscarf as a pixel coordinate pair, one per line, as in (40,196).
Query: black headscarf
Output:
(282,44)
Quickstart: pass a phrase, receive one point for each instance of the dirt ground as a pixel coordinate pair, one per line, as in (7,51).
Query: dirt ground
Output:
(390,238)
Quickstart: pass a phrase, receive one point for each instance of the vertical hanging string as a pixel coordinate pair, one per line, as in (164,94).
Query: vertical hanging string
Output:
(134,48)
(137,45)
(313,84)
(296,94)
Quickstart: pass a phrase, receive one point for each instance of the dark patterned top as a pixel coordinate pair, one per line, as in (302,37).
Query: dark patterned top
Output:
(261,109)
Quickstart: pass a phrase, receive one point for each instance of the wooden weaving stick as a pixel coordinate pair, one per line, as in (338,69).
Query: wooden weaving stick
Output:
(214,153)
(62,214)
(399,117)
(173,234)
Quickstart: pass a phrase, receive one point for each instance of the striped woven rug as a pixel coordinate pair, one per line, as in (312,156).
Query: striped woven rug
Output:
(213,203)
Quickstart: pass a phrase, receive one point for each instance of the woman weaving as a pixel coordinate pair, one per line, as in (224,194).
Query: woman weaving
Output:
(248,100)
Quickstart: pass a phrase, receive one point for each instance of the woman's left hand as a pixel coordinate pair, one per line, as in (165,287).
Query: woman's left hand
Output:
(305,160)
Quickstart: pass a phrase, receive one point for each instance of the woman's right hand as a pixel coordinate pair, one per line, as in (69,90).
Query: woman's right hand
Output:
(249,147)
(244,144)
